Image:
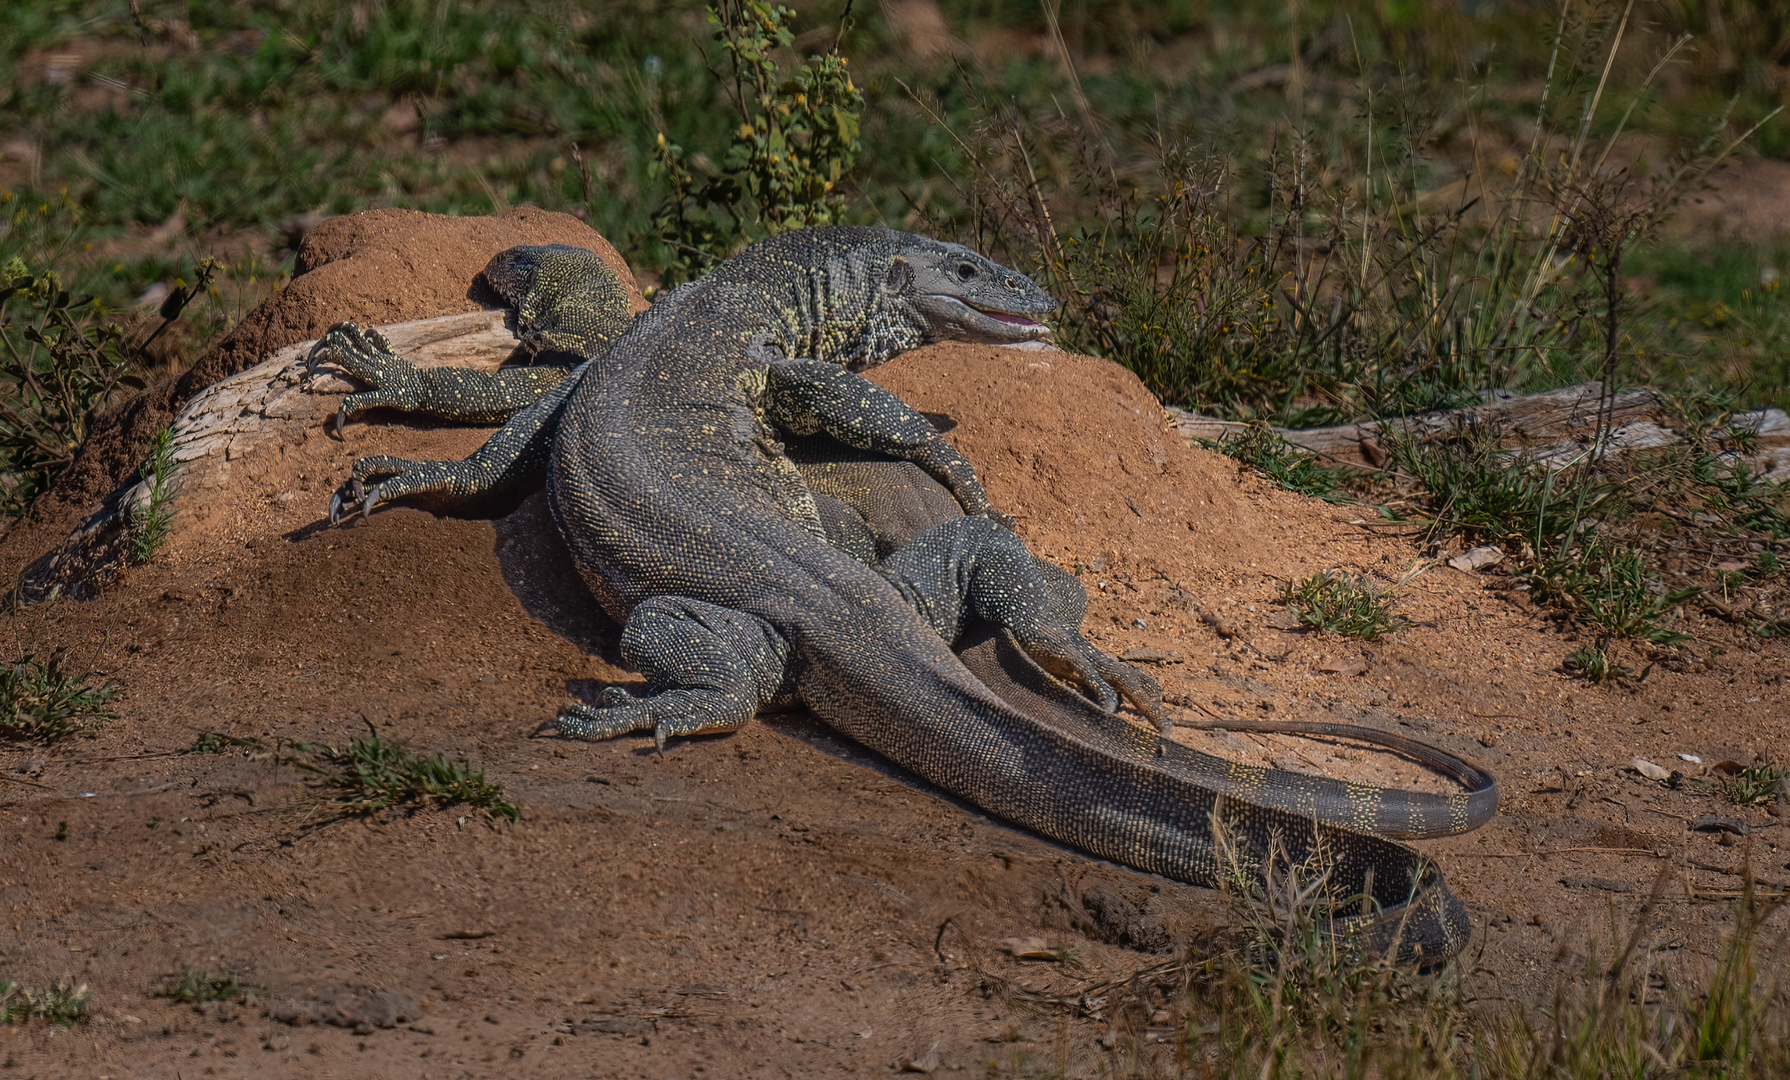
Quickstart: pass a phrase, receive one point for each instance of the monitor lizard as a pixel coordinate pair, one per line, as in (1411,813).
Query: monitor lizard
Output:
(666,469)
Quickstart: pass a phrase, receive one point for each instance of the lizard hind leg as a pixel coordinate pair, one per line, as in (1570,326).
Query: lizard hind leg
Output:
(708,669)
(970,567)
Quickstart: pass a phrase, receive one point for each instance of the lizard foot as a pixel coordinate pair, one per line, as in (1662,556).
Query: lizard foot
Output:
(367,356)
(358,496)
(1072,658)
(621,713)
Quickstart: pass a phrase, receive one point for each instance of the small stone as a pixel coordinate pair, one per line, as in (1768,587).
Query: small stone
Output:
(1478,558)
(1142,655)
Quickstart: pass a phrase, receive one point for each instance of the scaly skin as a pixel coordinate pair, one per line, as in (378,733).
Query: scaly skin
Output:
(668,479)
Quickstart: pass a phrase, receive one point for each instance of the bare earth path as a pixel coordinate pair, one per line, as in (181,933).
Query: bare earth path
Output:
(772,903)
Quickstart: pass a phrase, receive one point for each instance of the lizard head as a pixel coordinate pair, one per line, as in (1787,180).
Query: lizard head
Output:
(953,294)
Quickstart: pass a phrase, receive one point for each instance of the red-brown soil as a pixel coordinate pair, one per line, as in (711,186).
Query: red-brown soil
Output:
(777,902)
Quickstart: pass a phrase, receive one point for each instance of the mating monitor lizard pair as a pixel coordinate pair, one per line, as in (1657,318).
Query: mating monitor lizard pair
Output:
(669,447)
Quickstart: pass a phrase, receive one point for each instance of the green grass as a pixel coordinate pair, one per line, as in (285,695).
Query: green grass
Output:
(195,986)
(45,702)
(1756,784)
(63,1004)
(153,521)
(1610,587)
(1596,662)
(376,774)
(1280,461)
(216,742)
(1343,605)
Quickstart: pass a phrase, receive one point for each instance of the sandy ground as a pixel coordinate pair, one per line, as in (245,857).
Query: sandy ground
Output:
(776,902)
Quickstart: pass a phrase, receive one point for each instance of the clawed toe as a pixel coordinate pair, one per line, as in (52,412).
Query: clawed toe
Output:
(356,495)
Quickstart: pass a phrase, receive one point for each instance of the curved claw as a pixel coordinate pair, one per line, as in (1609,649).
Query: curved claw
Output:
(350,493)
(341,419)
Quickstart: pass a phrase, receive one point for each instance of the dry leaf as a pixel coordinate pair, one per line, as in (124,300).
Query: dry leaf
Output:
(1029,948)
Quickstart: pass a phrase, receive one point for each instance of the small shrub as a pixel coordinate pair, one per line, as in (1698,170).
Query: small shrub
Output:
(797,137)
(64,1004)
(45,702)
(58,366)
(1336,602)
(61,362)
(383,773)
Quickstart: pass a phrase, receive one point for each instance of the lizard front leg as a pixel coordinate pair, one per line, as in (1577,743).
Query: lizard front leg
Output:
(805,397)
(512,462)
(462,394)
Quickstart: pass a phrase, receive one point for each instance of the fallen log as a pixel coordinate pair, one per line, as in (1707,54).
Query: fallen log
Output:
(1555,428)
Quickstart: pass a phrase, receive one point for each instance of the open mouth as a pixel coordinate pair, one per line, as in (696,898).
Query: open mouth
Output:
(1009,318)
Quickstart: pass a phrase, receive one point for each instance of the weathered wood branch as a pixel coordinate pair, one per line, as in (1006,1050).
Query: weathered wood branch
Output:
(1557,428)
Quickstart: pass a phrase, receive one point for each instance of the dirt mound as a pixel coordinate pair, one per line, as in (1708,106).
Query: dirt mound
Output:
(777,901)
(377,267)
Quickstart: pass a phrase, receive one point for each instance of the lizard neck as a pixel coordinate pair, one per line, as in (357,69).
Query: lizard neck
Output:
(836,309)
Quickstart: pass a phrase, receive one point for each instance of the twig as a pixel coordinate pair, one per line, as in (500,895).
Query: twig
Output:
(1565,850)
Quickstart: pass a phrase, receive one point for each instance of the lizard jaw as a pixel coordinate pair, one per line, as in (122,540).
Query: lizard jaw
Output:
(957,319)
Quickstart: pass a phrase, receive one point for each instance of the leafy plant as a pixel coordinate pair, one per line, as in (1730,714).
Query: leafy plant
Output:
(379,774)
(56,368)
(1336,602)
(46,702)
(60,361)
(797,138)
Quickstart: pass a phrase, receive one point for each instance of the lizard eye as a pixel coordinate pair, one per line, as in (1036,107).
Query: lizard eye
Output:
(966,271)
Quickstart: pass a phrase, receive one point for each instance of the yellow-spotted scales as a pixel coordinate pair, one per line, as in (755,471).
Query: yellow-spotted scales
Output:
(770,528)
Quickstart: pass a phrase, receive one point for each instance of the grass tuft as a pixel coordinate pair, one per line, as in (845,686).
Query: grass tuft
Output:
(1340,604)
(1611,587)
(216,742)
(380,774)
(197,986)
(1757,784)
(152,522)
(1597,662)
(63,1004)
(45,702)
(1280,461)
